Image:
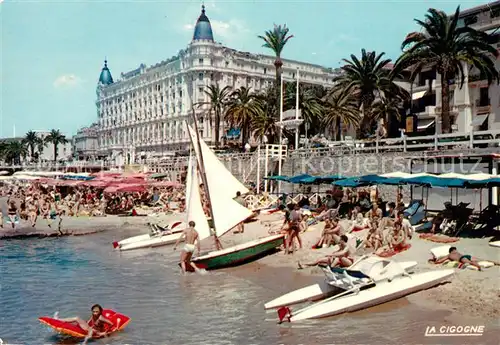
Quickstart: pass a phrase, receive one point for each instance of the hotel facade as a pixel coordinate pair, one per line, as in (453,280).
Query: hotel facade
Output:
(476,105)
(143,114)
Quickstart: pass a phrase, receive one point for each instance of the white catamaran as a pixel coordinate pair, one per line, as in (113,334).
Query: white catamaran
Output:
(376,266)
(361,291)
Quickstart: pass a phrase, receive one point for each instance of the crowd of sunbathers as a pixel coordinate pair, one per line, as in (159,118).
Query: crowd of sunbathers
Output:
(31,201)
(386,227)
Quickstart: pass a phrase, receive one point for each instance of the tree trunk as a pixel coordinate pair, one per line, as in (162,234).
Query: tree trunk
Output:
(32,151)
(55,153)
(217,127)
(338,129)
(445,103)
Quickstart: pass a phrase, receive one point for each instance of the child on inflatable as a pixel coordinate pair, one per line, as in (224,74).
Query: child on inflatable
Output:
(96,326)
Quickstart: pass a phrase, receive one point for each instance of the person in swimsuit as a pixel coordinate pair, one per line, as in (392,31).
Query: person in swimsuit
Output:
(295,218)
(344,257)
(95,326)
(13,214)
(373,238)
(454,255)
(397,238)
(190,236)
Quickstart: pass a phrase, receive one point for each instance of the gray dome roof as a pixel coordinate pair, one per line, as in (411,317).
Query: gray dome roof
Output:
(203,29)
(105,78)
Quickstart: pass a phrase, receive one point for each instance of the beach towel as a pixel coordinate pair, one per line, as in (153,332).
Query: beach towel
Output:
(390,252)
(460,265)
(438,238)
(440,252)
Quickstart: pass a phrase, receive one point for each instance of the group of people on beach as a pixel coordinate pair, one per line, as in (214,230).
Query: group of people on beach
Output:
(34,200)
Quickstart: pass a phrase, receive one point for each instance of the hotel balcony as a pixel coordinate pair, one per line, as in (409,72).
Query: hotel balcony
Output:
(483,21)
(483,106)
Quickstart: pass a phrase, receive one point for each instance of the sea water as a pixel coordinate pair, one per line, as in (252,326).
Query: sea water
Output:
(41,276)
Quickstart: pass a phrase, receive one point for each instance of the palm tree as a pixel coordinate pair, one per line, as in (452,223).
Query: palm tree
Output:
(14,151)
(217,100)
(341,111)
(31,140)
(448,47)
(276,40)
(264,123)
(40,144)
(3,147)
(56,138)
(387,108)
(242,106)
(368,78)
(310,105)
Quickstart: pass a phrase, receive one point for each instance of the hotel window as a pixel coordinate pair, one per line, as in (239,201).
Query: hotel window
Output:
(484,97)
(265,70)
(200,76)
(200,61)
(180,93)
(200,89)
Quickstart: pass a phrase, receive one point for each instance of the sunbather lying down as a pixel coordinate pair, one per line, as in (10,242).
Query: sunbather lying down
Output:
(454,255)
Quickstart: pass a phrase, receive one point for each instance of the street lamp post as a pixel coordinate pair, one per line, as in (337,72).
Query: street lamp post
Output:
(280,156)
(297,112)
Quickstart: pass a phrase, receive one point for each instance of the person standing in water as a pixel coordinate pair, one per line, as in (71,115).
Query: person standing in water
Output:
(190,236)
(96,326)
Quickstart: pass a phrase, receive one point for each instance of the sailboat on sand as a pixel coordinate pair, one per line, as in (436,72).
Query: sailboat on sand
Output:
(220,189)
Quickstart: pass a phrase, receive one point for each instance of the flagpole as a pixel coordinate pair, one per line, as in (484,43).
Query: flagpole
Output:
(281,133)
(297,113)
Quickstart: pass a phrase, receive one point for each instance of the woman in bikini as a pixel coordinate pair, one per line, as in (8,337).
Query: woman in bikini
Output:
(373,238)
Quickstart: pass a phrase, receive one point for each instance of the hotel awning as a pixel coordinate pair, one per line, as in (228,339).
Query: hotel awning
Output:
(425,123)
(479,120)
(418,95)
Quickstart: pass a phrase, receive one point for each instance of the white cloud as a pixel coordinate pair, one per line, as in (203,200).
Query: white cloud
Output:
(67,80)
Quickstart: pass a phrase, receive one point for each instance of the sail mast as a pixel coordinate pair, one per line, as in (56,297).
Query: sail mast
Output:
(201,167)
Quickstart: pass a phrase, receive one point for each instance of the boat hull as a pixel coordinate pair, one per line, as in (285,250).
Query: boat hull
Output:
(238,254)
(149,240)
(152,242)
(316,292)
(309,293)
(381,293)
(495,244)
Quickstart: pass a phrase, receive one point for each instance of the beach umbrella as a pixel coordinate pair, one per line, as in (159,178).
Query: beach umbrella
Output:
(165,184)
(277,178)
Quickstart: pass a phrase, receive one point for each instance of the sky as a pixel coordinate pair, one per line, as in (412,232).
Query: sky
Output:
(52,52)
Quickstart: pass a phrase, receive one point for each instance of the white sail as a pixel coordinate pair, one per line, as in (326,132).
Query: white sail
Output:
(227,184)
(194,208)
(227,212)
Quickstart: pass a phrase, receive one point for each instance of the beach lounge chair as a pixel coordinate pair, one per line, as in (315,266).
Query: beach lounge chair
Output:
(415,212)
(413,207)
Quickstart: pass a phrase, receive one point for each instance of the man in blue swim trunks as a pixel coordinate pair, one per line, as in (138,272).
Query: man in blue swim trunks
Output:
(454,255)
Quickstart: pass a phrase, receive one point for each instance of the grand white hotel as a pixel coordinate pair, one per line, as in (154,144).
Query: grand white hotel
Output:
(144,113)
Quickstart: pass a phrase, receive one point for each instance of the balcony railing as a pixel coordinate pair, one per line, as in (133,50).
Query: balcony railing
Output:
(483,102)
